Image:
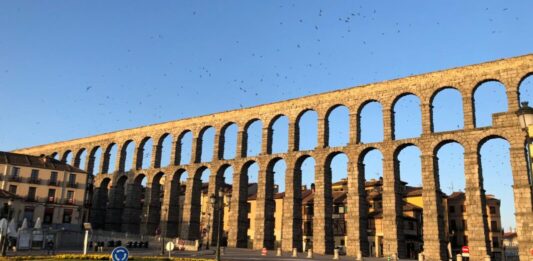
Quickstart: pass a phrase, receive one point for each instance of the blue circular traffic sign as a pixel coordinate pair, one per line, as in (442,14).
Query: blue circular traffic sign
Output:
(120,254)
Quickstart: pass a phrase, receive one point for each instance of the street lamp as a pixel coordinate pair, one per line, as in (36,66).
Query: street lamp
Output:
(6,238)
(162,233)
(212,200)
(525,115)
(220,206)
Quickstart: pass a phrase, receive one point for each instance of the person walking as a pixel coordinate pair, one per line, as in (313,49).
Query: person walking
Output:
(50,247)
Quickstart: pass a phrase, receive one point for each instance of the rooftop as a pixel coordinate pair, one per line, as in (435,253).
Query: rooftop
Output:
(40,162)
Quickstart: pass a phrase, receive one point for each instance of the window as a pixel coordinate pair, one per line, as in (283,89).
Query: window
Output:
(72,180)
(31,193)
(492,210)
(15,172)
(464,225)
(67,216)
(53,178)
(453,225)
(13,189)
(452,209)
(51,195)
(495,242)
(28,213)
(48,216)
(494,225)
(34,175)
(70,197)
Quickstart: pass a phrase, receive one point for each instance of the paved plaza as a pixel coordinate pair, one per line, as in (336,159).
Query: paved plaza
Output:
(231,254)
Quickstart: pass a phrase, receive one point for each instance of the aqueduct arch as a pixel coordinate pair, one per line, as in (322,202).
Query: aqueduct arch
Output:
(510,72)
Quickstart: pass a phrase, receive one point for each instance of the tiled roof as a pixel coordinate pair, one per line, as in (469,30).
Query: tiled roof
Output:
(39,162)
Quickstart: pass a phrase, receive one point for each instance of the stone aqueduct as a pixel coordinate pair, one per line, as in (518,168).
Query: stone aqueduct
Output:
(123,211)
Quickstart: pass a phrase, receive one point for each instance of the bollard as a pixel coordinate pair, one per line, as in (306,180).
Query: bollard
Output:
(223,250)
(394,257)
(359,257)
(295,252)
(309,253)
(487,258)
(459,257)
(420,257)
(336,254)
(278,252)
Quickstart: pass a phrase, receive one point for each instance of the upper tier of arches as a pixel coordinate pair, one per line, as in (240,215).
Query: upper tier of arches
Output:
(151,143)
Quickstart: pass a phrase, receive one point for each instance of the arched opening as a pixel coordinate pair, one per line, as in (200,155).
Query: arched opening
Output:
(94,164)
(306,136)
(406,117)
(525,90)
(370,122)
(278,135)
(497,180)
(267,221)
(67,157)
(144,155)
(81,157)
(228,141)
(451,176)
(99,204)
(115,205)
(447,110)
(218,215)
(410,203)
(184,148)
(489,98)
(303,189)
(245,185)
(109,158)
(164,150)
(336,197)
(207,140)
(54,155)
(135,200)
(253,138)
(338,119)
(172,223)
(370,165)
(126,157)
(199,204)
(153,198)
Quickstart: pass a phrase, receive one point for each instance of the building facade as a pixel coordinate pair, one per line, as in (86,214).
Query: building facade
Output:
(48,189)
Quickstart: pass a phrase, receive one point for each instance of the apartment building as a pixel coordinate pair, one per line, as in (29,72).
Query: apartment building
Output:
(46,188)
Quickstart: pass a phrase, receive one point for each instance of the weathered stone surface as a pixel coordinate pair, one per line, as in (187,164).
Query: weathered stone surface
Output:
(465,79)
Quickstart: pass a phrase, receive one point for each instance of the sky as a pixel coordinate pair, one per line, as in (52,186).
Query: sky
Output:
(70,69)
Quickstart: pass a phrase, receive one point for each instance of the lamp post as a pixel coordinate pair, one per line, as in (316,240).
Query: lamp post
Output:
(162,232)
(212,200)
(525,115)
(220,205)
(6,238)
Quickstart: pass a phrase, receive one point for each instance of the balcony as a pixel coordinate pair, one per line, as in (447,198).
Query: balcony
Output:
(69,201)
(34,181)
(15,178)
(31,199)
(72,185)
(53,183)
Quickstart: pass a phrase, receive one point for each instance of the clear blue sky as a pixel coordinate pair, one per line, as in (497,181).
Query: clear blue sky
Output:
(70,69)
